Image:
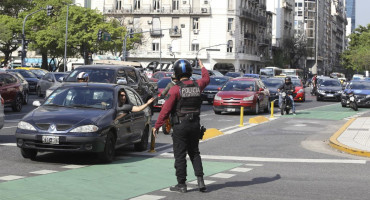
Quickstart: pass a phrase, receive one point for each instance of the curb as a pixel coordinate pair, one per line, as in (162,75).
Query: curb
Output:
(333,142)
(258,120)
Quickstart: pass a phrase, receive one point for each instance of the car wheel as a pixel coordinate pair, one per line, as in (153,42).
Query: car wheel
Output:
(318,98)
(29,153)
(38,91)
(166,127)
(143,144)
(344,105)
(268,107)
(282,109)
(17,105)
(256,110)
(210,102)
(217,112)
(25,98)
(107,155)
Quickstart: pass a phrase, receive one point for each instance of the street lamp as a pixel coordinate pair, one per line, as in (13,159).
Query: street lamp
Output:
(207,49)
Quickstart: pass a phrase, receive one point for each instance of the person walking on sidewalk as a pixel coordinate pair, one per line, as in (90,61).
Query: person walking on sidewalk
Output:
(183,103)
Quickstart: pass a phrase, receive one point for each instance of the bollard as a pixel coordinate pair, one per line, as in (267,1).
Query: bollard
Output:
(241,116)
(152,143)
(272,108)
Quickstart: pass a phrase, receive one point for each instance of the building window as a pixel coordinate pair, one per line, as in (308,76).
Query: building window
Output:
(195,45)
(300,13)
(229,24)
(156,5)
(136,4)
(119,5)
(88,4)
(155,46)
(175,4)
(230,46)
(231,4)
(195,23)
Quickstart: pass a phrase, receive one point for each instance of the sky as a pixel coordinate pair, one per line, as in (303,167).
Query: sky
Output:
(362,12)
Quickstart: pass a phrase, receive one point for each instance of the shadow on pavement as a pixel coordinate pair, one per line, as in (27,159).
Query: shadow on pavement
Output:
(259,180)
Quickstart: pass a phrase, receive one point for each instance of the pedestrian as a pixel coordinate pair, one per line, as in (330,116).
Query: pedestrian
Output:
(183,103)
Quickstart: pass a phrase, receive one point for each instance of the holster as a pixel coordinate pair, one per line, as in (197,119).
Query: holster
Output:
(202,131)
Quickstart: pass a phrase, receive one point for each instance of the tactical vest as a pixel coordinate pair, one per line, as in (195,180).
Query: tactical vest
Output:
(190,99)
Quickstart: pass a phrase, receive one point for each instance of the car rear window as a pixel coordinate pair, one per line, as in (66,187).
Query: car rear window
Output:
(163,82)
(217,81)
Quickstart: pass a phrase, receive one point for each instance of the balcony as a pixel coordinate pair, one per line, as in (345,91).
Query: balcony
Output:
(250,36)
(155,33)
(248,14)
(263,42)
(204,10)
(174,33)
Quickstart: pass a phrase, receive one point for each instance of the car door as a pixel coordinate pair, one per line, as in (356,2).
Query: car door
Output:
(138,118)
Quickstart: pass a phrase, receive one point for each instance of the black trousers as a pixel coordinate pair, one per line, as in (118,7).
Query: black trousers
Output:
(186,141)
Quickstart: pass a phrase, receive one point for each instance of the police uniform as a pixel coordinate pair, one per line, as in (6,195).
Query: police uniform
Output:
(183,103)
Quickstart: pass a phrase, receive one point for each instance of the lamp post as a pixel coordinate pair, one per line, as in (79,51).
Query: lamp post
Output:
(196,55)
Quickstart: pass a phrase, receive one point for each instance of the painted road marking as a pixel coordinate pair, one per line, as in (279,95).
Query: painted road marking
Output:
(9,144)
(43,172)
(206,182)
(148,197)
(241,169)
(73,166)
(168,189)
(222,175)
(10,178)
(286,160)
(254,165)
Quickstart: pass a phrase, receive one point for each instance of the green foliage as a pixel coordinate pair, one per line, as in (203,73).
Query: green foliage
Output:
(13,7)
(9,29)
(357,56)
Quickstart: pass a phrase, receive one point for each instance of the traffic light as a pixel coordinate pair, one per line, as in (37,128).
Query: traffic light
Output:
(100,34)
(49,10)
(131,33)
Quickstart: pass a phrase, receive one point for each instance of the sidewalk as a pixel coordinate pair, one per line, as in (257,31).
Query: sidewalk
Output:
(353,137)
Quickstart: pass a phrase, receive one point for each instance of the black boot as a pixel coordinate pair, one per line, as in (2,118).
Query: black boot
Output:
(201,185)
(179,188)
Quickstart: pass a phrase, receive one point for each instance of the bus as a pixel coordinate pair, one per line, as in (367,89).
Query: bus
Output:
(293,72)
(271,71)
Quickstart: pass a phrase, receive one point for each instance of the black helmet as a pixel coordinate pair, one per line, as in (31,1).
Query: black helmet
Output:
(182,68)
(288,79)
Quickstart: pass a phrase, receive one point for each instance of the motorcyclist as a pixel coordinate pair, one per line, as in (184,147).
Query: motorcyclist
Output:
(288,88)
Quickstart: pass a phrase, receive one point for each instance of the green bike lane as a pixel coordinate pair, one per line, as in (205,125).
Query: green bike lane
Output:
(122,179)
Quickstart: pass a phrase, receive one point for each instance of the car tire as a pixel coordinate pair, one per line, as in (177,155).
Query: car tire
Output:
(282,109)
(25,98)
(143,144)
(268,108)
(17,105)
(38,91)
(29,153)
(257,108)
(107,156)
(217,112)
(318,98)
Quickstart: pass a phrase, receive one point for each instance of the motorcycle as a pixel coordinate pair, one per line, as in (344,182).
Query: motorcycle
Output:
(352,101)
(286,103)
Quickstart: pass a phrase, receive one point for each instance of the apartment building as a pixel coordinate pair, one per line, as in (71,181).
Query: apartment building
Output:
(226,35)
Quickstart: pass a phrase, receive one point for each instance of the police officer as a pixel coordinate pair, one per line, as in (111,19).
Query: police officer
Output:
(183,103)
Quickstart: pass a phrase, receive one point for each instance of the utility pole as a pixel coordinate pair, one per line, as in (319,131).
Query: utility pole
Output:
(314,68)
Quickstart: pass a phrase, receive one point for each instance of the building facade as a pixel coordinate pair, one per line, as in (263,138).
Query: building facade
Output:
(226,35)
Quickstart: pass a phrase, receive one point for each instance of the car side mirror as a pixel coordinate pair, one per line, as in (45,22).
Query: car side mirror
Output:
(36,103)
(50,80)
(61,79)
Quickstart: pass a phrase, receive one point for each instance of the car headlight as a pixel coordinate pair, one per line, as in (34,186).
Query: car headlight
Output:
(367,96)
(320,91)
(26,126)
(218,98)
(300,91)
(85,129)
(250,98)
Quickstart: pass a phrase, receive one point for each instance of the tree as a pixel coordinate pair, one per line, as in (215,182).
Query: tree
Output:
(9,29)
(293,50)
(13,7)
(357,56)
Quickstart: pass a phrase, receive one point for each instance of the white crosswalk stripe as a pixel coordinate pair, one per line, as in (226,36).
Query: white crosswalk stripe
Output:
(222,175)
(10,178)
(148,197)
(43,172)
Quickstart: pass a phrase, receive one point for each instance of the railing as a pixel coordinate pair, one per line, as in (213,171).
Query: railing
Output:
(163,9)
(155,32)
(174,33)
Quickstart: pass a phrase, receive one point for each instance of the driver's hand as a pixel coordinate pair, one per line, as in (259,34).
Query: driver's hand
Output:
(155,132)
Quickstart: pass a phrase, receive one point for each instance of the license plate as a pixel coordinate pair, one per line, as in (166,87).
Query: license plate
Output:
(330,95)
(50,139)
(230,109)
(32,86)
(210,96)
(161,101)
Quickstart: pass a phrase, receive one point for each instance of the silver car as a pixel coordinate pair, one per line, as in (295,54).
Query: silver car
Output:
(49,80)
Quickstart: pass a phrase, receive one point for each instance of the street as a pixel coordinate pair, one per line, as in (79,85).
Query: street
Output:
(285,158)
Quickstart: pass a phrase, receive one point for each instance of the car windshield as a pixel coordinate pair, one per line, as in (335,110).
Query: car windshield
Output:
(57,76)
(163,82)
(217,73)
(239,86)
(38,72)
(217,81)
(360,85)
(326,83)
(273,83)
(95,75)
(83,97)
(232,74)
(297,82)
(26,74)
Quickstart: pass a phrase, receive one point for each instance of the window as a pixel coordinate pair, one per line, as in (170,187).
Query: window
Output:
(229,24)
(230,46)
(195,23)
(155,46)
(136,4)
(118,5)
(195,46)
(156,5)
(300,4)
(231,5)
(300,13)
(131,76)
(175,4)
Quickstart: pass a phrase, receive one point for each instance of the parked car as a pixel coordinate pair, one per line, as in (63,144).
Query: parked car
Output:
(273,84)
(210,72)
(329,88)
(29,76)
(112,74)
(159,75)
(49,80)
(234,74)
(162,83)
(2,116)
(299,93)
(81,118)
(361,90)
(37,71)
(249,93)
(25,84)
(215,85)
(11,91)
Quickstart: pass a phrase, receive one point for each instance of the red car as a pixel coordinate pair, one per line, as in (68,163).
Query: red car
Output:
(299,92)
(247,92)
(11,91)
(159,75)
(161,86)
